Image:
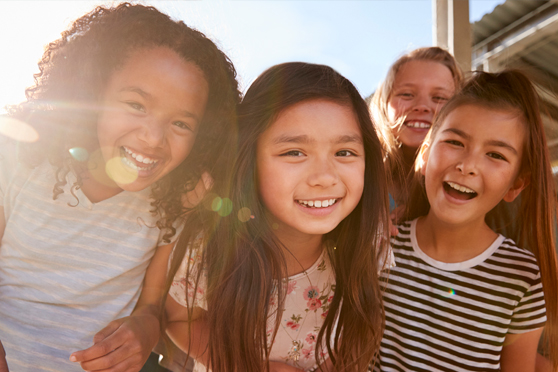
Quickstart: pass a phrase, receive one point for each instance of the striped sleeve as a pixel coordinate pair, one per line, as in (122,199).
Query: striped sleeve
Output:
(530,313)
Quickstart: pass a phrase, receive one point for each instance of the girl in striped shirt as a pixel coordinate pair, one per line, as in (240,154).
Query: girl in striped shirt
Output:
(462,297)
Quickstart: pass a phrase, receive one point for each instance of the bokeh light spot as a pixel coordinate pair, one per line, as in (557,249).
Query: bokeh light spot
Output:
(216,204)
(449,293)
(244,214)
(79,153)
(226,208)
(17,130)
(96,167)
(119,173)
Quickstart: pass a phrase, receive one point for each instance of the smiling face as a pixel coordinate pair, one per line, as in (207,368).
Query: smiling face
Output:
(310,164)
(420,89)
(473,163)
(152,107)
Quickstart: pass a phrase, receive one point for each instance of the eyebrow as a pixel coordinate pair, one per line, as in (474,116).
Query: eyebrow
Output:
(466,136)
(147,95)
(412,85)
(304,139)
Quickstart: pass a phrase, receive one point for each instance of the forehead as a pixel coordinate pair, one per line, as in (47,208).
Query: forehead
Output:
(486,122)
(425,73)
(316,119)
(158,63)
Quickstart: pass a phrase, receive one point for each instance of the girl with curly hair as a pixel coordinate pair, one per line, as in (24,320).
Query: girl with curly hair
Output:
(289,280)
(131,108)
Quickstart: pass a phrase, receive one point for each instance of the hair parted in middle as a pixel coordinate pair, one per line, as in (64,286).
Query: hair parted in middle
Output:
(382,96)
(245,261)
(535,220)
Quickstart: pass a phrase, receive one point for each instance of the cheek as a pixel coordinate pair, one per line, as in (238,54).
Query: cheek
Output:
(396,109)
(181,148)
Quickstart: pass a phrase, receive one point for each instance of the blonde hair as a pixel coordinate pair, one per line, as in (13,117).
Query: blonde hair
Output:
(380,99)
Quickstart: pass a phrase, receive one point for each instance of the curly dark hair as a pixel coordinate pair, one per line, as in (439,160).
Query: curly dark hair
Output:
(74,70)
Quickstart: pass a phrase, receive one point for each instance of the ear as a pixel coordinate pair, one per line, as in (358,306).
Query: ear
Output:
(519,184)
(422,158)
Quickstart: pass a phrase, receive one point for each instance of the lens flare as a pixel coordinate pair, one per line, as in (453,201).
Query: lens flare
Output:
(449,293)
(17,130)
(119,173)
(114,171)
(226,208)
(96,167)
(244,214)
(79,153)
(216,204)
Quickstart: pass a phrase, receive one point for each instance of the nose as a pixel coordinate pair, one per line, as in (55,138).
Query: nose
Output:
(423,105)
(323,173)
(153,133)
(468,165)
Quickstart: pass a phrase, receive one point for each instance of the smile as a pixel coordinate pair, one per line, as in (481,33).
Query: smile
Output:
(317,203)
(459,191)
(417,124)
(139,158)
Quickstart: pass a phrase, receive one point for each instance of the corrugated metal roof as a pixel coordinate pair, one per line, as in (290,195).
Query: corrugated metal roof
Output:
(503,15)
(534,25)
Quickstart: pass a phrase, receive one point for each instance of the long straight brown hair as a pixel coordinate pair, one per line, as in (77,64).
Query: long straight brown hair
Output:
(245,262)
(535,220)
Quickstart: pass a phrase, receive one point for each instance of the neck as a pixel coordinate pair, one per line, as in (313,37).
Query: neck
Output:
(97,186)
(453,243)
(408,156)
(301,250)
(399,189)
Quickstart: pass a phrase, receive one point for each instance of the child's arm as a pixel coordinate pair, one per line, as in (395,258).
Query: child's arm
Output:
(177,330)
(3,363)
(520,351)
(2,224)
(126,343)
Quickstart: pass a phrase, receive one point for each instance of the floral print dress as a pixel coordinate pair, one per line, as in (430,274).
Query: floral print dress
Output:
(307,302)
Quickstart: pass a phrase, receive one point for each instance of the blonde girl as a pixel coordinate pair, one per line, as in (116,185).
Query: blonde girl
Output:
(403,107)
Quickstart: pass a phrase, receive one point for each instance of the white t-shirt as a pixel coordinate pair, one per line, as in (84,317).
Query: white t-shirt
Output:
(65,271)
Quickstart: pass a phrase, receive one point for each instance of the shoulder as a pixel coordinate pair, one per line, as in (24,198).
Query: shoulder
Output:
(516,261)
(402,241)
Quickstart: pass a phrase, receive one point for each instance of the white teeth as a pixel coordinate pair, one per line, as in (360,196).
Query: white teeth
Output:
(460,188)
(417,124)
(140,158)
(317,203)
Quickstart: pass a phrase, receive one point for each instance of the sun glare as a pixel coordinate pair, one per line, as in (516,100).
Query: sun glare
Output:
(25,28)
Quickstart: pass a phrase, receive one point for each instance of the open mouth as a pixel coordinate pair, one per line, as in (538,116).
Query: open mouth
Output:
(138,162)
(317,203)
(417,124)
(459,192)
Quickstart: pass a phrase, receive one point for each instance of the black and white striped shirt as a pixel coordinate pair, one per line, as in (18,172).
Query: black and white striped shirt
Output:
(455,316)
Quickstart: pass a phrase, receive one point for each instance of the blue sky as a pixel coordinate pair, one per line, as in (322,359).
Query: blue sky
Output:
(360,39)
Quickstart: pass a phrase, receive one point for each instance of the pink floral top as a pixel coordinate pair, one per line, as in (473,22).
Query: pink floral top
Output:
(309,295)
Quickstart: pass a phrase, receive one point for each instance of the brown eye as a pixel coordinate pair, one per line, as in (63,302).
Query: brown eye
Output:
(136,106)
